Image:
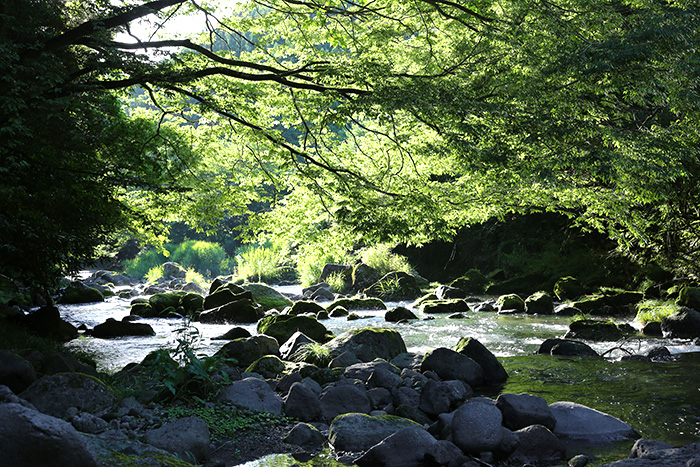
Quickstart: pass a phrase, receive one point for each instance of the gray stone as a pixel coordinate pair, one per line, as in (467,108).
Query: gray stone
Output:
(406,448)
(253,394)
(369,343)
(364,370)
(444,452)
(344,360)
(435,398)
(302,403)
(448,364)
(88,423)
(522,410)
(247,350)
(358,432)
(15,372)
(294,344)
(188,437)
(384,378)
(476,427)
(684,324)
(29,438)
(445,292)
(538,446)
(649,453)
(342,399)
(114,328)
(55,394)
(379,397)
(305,435)
(233,333)
(566,347)
(576,421)
(472,348)
(405,396)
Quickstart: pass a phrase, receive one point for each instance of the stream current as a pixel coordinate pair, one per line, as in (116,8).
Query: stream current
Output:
(659,400)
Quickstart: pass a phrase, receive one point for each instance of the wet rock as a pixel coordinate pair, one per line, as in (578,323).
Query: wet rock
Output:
(233,333)
(398,314)
(269,366)
(683,324)
(596,330)
(358,432)
(576,421)
(235,311)
(188,437)
(343,398)
(405,396)
(384,378)
(295,343)
(538,446)
(648,453)
(30,438)
(253,394)
(407,448)
(55,394)
(282,327)
(510,302)
(445,292)
(539,303)
(448,364)
(369,343)
(77,292)
(305,435)
(652,329)
(246,351)
(472,348)
(394,286)
(476,427)
(302,403)
(302,306)
(568,288)
(456,305)
(344,360)
(566,347)
(15,372)
(412,412)
(522,410)
(445,452)
(267,297)
(113,328)
(438,397)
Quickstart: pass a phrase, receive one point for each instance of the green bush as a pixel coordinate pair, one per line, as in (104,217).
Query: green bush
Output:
(383,260)
(258,263)
(649,311)
(312,257)
(144,262)
(206,257)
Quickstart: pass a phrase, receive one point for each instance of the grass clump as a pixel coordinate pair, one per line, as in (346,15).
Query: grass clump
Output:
(338,283)
(649,311)
(259,263)
(383,260)
(155,273)
(313,353)
(206,258)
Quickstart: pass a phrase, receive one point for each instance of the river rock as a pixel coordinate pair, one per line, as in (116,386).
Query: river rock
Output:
(331,269)
(269,366)
(446,292)
(510,302)
(46,321)
(188,437)
(445,452)
(253,394)
(403,395)
(540,303)
(352,304)
(55,394)
(368,344)
(267,297)
(472,348)
(576,421)
(398,314)
(538,446)
(302,403)
(448,364)
(363,276)
(30,438)
(114,328)
(650,453)
(568,288)
(522,410)
(343,398)
(358,432)
(363,370)
(435,397)
(51,362)
(566,347)
(394,286)
(344,360)
(406,448)
(15,372)
(455,305)
(296,342)
(77,292)
(235,311)
(305,435)
(684,324)
(476,427)
(247,350)
(595,330)
(88,423)
(282,327)
(162,304)
(233,333)
(384,378)
(302,307)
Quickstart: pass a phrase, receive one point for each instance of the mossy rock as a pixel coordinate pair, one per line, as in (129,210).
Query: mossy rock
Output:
(510,302)
(267,297)
(568,288)
(689,297)
(431,297)
(540,303)
(598,330)
(364,276)
(338,312)
(493,369)
(369,343)
(304,306)
(358,432)
(145,310)
(161,301)
(473,281)
(224,296)
(77,292)
(398,314)
(268,366)
(395,286)
(281,327)
(448,306)
(193,303)
(248,349)
(357,304)
(525,284)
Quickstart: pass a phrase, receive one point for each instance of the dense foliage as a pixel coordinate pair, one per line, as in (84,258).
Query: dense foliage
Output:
(391,120)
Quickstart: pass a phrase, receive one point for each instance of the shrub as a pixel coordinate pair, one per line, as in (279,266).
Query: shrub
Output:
(338,283)
(205,257)
(383,260)
(311,258)
(144,262)
(649,311)
(155,273)
(258,263)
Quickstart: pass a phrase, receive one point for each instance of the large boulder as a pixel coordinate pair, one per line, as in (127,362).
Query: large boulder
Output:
(363,276)
(304,306)
(538,446)
(269,366)
(29,438)
(188,437)
(305,435)
(566,347)
(247,350)
(472,348)
(357,304)
(267,297)
(358,432)
(568,288)
(576,421)
(446,292)
(399,314)
(539,303)
(406,448)
(510,302)
(165,303)
(224,295)
(77,292)
(473,281)
(15,372)
(454,305)
(344,398)
(598,330)
(684,324)
(448,364)
(369,343)
(46,321)
(476,427)
(438,397)
(522,410)
(55,394)
(294,344)
(114,328)
(236,311)
(395,286)
(252,394)
(282,327)
(302,403)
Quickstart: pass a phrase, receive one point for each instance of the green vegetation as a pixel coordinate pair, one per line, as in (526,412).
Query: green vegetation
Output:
(313,353)
(381,258)
(203,258)
(338,283)
(258,263)
(649,311)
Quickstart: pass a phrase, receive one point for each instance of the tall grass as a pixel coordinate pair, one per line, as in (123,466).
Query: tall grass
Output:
(383,260)
(649,311)
(311,257)
(258,263)
(206,258)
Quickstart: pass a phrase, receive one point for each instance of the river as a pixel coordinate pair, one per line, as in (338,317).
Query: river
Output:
(659,400)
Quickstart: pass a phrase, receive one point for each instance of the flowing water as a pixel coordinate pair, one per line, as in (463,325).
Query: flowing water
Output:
(659,400)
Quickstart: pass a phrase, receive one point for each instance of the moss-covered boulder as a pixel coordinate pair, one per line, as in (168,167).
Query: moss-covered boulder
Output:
(269,366)
(395,286)
(224,295)
(247,350)
(684,324)
(510,302)
(56,394)
(47,322)
(425,298)
(363,276)
(453,305)
(473,282)
(358,432)
(493,370)
(598,330)
(237,311)
(162,301)
(539,303)
(281,327)
(399,314)
(77,292)
(338,312)
(193,303)
(357,303)
(368,344)
(689,297)
(304,306)
(114,328)
(568,288)
(267,297)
